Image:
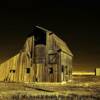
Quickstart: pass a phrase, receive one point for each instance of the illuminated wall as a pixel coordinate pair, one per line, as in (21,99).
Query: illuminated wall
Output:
(97,71)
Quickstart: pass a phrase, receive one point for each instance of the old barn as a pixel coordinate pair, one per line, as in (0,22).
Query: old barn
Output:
(43,58)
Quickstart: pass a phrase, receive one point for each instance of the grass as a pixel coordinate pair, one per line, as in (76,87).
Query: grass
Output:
(78,88)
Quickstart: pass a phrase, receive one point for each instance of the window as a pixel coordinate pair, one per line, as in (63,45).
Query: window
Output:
(52,58)
(12,71)
(40,36)
(50,70)
(28,70)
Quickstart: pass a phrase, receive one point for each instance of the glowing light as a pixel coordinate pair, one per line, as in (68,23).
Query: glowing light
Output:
(97,71)
(83,73)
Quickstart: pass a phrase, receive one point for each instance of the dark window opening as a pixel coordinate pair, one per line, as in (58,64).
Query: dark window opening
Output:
(50,70)
(36,80)
(40,36)
(12,71)
(59,50)
(27,70)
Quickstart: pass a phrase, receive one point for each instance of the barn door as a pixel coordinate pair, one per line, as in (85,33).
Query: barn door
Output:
(52,70)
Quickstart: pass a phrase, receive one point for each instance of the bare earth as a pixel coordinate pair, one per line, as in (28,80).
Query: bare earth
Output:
(80,88)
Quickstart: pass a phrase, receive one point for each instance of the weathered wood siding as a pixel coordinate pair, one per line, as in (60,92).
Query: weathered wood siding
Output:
(15,68)
(62,58)
(24,68)
(7,69)
(39,62)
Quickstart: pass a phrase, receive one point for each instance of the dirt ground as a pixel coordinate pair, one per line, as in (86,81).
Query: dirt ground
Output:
(80,88)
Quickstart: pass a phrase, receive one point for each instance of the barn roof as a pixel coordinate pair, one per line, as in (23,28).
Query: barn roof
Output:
(63,45)
(59,41)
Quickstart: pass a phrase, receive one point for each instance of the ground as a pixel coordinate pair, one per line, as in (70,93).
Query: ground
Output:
(80,88)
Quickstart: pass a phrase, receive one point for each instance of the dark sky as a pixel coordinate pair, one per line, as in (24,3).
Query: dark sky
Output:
(78,23)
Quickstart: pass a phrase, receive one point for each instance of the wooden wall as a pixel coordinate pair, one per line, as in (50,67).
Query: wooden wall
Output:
(41,63)
(15,69)
(63,58)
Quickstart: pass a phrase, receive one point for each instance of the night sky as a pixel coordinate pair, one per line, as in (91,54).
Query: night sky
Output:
(77,23)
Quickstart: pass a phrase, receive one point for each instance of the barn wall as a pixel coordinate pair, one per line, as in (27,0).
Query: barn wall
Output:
(41,63)
(16,67)
(8,69)
(52,65)
(25,62)
(66,64)
(62,58)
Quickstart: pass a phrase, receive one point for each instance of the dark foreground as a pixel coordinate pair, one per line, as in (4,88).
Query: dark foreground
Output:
(52,97)
(81,88)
